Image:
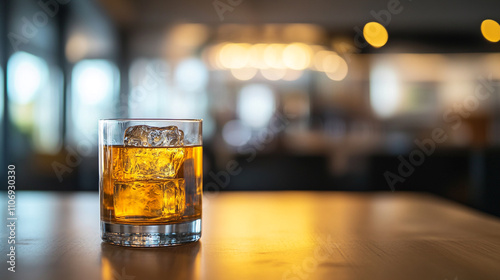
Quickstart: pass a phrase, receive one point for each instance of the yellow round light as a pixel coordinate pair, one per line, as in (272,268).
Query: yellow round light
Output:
(331,62)
(490,30)
(297,56)
(256,56)
(234,55)
(273,74)
(273,55)
(375,34)
(319,59)
(244,74)
(340,71)
(211,55)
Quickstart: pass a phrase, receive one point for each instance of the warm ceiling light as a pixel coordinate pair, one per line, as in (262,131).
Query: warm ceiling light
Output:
(340,71)
(256,56)
(234,55)
(273,55)
(297,56)
(331,62)
(211,55)
(490,30)
(244,74)
(375,34)
(273,74)
(319,59)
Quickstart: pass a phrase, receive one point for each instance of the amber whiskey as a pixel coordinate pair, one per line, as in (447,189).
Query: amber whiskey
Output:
(151,185)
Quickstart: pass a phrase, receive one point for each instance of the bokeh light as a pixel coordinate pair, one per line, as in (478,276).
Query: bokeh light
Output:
(273,55)
(256,105)
(331,62)
(276,61)
(191,74)
(319,59)
(211,55)
(26,73)
(490,30)
(297,56)
(77,47)
(244,74)
(94,91)
(273,74)
(375,34)
(384,89)
(234,55)
(335,67)
(256,56)
(236,133)
(93,80)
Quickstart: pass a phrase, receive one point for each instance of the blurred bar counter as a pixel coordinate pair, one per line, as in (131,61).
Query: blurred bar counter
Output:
(266,235)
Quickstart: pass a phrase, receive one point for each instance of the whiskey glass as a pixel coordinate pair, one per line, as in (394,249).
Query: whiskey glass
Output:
(150,181)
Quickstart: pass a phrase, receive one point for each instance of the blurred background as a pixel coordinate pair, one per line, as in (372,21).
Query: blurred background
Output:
(295,95)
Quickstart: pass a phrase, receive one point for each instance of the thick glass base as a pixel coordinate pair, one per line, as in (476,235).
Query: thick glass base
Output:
(151,235)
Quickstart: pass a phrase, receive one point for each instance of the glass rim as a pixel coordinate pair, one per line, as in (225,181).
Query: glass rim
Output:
(152,120)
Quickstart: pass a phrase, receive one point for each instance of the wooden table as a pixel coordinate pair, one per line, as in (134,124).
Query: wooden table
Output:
(265,235)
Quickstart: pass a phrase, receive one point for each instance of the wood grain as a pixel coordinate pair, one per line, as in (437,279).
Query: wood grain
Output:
(266,235)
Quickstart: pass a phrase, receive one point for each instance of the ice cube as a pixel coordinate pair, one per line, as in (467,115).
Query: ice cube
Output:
(150,153)
(150,136)
(138,200)
(162,200)
(174,198)
(138,163)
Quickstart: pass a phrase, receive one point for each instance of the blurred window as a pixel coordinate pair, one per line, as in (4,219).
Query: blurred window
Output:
(191,75)
(235,133)
(149,92)
(384,89)
(34,93)
(189,98)
(94,94)
(155,93)
(256,105)
(1,113)
(1,97)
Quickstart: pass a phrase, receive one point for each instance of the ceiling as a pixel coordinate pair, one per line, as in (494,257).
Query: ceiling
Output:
(407,17)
